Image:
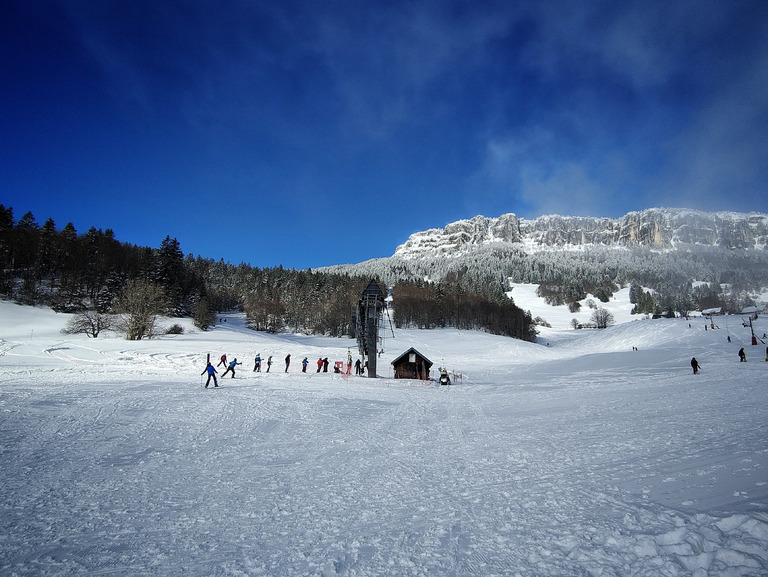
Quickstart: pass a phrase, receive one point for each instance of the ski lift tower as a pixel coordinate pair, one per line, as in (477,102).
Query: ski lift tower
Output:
(369,309)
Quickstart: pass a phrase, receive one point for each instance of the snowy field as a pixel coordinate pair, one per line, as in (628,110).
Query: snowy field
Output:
(577,455)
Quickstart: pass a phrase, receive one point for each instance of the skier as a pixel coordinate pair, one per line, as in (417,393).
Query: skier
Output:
(222,360)
(269,362)
(287,362)
(358,367)
(304,364)
(319,364)
(211,373)
(742,355)
(325,365)
(695,365)
(231,367)
(349,362)
(257,364)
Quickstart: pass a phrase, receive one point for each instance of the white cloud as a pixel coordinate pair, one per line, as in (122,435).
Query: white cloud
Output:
(568,191)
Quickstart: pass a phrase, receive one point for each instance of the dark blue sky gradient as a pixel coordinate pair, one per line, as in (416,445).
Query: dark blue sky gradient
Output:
(315,133)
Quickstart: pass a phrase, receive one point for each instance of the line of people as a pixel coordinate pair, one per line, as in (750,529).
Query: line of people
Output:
(322,364)
(360,368)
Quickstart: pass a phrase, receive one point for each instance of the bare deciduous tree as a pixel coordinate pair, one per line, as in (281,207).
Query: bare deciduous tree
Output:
(602,318)
(139,304)
(90,323)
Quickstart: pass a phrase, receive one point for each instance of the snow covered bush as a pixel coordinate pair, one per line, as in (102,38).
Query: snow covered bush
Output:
(175,329)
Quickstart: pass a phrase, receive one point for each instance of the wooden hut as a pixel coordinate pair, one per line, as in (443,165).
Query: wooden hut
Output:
(412,365)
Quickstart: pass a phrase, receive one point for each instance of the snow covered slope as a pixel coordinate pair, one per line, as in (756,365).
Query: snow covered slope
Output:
(576,455)
(560,316)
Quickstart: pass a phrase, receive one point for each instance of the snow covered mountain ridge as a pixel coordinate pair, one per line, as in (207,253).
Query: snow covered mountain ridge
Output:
(657,228)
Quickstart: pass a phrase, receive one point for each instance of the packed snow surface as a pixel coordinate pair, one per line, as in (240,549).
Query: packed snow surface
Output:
(587,453)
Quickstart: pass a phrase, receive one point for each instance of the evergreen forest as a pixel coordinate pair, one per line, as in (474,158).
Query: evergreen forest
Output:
(95,274)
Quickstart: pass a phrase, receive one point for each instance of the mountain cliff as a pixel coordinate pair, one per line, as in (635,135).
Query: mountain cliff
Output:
(655,228)
(692,260)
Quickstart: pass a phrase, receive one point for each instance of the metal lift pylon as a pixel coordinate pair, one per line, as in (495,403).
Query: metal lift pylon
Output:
(369,308)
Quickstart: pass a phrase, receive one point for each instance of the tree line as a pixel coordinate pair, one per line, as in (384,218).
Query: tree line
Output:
(113,284)
(441,304)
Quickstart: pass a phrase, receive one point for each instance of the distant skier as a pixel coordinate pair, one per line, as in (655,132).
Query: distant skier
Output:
(222,361)
(358,367)
(304,364)
(319,364)
(287,362)
(742,355)
(257,363)
(231,368)
(211,373)
(695,365)
(325,365)
(269,362)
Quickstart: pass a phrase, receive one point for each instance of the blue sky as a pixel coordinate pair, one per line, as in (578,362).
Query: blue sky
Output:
(316,133)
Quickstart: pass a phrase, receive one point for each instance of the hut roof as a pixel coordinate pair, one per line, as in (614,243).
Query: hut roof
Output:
(409,351)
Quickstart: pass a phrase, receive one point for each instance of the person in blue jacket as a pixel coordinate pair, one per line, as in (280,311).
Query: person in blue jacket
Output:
(231,367)
(211,373)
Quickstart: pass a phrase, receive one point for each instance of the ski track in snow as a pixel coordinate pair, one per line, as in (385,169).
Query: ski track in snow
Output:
(577,457)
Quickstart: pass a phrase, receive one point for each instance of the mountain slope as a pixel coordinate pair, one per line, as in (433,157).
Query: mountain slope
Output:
(690,259)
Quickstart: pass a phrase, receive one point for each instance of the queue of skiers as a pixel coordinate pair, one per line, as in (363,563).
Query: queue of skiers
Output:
(322,365)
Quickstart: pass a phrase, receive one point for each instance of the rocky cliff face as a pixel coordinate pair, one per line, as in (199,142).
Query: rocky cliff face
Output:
(654,228)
